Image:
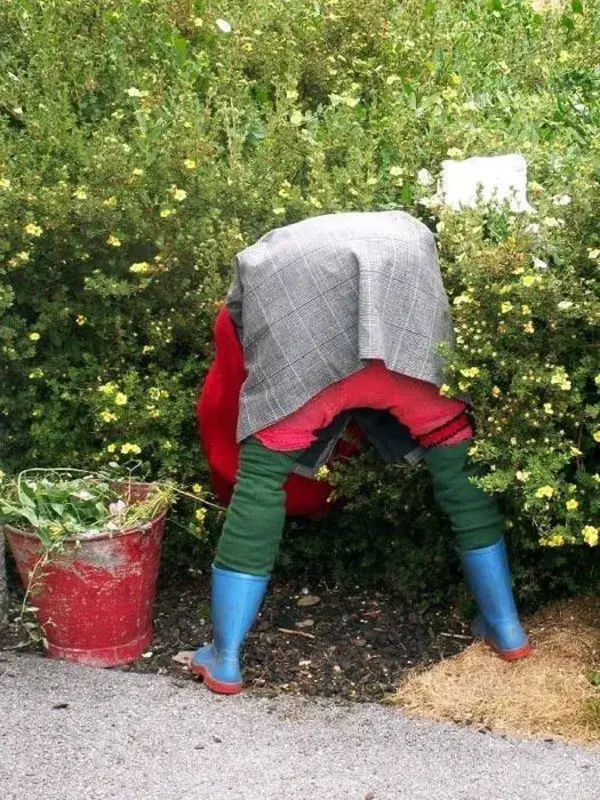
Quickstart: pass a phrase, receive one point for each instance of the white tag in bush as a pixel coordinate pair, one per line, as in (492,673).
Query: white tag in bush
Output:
(487,179)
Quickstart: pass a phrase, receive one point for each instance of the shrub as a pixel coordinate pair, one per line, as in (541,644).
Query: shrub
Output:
(142,144)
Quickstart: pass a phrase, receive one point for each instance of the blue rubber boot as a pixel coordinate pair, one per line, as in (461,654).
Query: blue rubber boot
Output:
(236,600)
(498,622)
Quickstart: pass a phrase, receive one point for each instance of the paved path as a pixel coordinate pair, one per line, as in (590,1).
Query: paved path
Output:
(74,733)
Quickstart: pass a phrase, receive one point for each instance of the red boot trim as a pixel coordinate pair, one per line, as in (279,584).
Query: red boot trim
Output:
(512,655)
(213,685)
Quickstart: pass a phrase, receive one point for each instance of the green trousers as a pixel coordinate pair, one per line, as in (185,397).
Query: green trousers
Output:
(254,523)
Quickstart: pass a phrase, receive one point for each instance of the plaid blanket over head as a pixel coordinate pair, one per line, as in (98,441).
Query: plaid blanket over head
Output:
(315,300)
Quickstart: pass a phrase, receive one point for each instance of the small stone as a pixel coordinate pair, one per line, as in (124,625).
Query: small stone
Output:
(183,657)
(308,600)
(305,623)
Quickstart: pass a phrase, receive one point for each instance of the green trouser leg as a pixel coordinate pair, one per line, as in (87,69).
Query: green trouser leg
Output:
(477,523)
(474,515)
(254,523)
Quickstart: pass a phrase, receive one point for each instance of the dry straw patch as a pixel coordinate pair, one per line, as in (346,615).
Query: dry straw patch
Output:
(548,694)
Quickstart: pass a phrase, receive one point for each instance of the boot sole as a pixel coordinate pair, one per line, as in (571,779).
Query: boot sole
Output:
(511,655)
(215,686)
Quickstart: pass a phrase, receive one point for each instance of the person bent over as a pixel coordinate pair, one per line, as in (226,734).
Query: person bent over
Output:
(338,318)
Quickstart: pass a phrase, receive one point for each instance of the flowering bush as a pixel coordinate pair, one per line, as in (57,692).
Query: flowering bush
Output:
(143,143)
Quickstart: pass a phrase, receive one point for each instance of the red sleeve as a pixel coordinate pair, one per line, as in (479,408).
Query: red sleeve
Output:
(217,412)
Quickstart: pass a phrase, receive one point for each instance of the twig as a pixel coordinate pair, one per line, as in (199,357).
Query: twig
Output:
(456,636)
(296,633)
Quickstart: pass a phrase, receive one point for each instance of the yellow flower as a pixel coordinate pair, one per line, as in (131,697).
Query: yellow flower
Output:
(33,230)
(197,488)
(110,202)
(561,378)
(121,399)
(137,172)
(108,416)
(470,372)
(108,388)
(80,319)
(140,267)
(4,183)
(396,171)
(554,541)
(178,194)
(200,515)
(166,212)
(111,448)
(35,337)
(523,476)
(529,280)
(545,491)
(130,448)
(462,299)
(597,435)
(590,535)
(572,505)
(445,390)
(322,473)
(496,391)
(548,408)
(506,307)
(135,92)
(464,385)
(23,256)
(80,193)
(113,241)
(189,163)
(525,310)
(529,327)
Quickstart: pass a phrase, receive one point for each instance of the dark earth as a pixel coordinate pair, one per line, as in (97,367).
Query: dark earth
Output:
(314,641)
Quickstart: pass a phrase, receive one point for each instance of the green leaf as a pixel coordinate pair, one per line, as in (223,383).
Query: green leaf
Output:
(593,677)
(430,8)
(567,22)
(577,6)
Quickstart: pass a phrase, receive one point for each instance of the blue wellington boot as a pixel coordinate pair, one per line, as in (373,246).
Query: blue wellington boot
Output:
(498,622)
(236,600)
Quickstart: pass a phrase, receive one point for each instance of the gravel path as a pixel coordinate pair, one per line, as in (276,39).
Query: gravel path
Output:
(73,733)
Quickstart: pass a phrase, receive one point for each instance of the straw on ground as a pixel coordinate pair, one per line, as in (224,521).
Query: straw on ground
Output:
(553,693)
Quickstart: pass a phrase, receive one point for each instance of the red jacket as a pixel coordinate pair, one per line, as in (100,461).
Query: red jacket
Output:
(217,412)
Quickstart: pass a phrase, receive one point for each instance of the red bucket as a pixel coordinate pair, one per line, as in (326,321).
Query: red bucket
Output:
(95,599)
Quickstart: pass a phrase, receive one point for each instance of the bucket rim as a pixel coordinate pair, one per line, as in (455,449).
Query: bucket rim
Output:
(30,533)
(90,537)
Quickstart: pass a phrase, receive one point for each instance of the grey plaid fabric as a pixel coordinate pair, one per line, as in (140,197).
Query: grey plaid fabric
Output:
(315,300)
